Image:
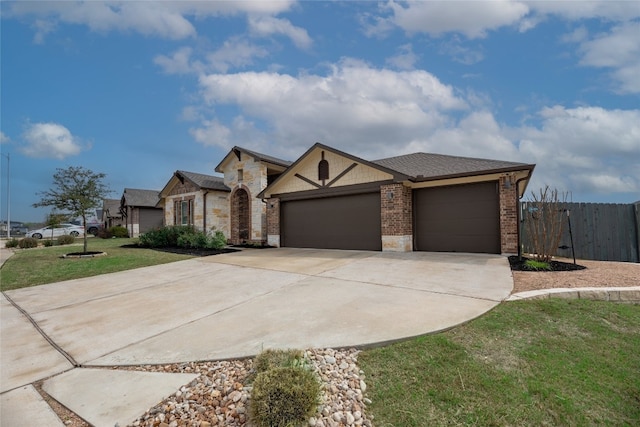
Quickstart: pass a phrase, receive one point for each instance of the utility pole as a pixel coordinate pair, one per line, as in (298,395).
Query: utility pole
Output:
(8,155)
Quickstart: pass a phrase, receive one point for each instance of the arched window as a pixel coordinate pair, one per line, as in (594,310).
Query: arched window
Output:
(323,170)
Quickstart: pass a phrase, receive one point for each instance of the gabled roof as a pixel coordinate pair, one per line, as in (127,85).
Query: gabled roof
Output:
(112,206)
(140,198)
(397,175)
(206,182)
(235,151)
(429,166)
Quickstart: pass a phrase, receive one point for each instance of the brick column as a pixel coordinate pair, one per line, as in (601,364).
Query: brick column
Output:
(273,222)
(508,216)
(396,213)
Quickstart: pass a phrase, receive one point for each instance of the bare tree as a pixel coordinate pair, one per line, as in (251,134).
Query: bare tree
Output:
(77,191)
(544,219)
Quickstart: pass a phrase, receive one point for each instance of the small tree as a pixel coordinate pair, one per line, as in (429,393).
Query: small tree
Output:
(544,222)
(53,220)
(75,190)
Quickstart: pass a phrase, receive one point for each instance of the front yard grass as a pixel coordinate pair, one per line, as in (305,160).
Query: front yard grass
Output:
(31,267)
(547,362)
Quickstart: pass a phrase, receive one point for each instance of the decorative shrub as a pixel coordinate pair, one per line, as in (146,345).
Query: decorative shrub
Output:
(164,237)
(28,242)
(11,243)
(182,236)
(66,240)
(104,233)
(284,397)
(119,231)
(47,243)
(271,358)
(197,239)
(218,241)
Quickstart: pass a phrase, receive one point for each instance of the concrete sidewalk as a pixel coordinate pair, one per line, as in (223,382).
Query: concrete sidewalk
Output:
(235,305)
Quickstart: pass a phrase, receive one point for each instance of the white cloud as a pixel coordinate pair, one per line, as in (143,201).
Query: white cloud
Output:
(4,139)
(584,149)
(405,59)
(166,19)
(473,19)
(235,52)
(365,107)
(178,63)
(50,140)
(618,49)
(268,25)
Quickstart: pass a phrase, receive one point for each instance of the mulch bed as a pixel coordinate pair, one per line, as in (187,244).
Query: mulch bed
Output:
(519,264)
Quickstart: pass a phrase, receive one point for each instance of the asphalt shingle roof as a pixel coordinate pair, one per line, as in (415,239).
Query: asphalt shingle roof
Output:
(137,197)
(208,182)
(430,165)
(266,158)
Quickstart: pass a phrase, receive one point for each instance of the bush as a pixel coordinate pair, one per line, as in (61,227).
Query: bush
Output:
(182,236)
(119,231)
(164,237)
(218,241)
(11,243)
(271,358)
(47,243)
(104,233)
(284,397)
(66,240)
(28,242)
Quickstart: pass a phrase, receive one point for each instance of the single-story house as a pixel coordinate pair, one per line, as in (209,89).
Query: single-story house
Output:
(111,215)
(331,199)
(139,211)
(421,201)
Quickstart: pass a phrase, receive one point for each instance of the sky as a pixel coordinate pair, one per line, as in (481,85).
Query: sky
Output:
(140,89)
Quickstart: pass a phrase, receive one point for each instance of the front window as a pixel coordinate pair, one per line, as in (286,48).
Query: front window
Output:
(184,212)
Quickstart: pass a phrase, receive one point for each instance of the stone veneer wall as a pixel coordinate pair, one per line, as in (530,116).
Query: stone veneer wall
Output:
(273,222)
(508,215)
(253,182)
(397,218)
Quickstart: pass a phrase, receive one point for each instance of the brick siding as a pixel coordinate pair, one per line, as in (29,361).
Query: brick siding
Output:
(508,216)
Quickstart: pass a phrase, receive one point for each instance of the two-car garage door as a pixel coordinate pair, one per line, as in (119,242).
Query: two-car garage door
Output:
(344,222)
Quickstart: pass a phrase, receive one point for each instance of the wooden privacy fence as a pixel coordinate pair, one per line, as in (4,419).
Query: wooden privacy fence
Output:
(601,231)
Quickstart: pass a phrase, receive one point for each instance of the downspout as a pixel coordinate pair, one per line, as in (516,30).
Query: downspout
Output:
(204,212)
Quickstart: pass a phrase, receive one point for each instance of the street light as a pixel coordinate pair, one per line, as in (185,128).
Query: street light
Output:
(8,155)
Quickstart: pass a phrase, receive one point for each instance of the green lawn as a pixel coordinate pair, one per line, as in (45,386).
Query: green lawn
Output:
(534,363)
(30,267)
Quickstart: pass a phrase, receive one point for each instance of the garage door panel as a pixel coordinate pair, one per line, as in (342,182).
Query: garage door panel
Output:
(463,218)
(346,222)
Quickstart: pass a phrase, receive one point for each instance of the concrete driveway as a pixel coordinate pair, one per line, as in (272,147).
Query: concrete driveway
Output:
(235,305)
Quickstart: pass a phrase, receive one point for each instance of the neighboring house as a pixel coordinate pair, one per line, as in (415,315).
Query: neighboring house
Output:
(139,211)
(423,202)
(196,199)
(111,215)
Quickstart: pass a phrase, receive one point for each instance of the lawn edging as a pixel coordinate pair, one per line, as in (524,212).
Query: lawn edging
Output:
(614,294)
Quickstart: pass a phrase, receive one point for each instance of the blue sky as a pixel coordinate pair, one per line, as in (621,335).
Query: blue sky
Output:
(137,90)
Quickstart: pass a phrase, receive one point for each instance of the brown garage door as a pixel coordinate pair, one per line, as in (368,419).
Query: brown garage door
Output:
(345,222)
(460,218)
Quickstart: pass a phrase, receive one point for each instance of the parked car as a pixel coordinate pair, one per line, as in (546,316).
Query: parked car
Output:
(59,230)
(92,226)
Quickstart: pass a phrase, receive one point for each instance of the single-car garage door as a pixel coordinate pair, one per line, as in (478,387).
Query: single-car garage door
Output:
(460,218)
(345,222)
